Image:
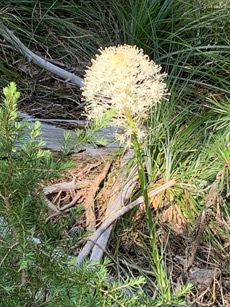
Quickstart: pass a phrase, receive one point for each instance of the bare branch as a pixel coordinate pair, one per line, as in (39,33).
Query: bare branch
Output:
(31,56)
(114,216)
(120,194)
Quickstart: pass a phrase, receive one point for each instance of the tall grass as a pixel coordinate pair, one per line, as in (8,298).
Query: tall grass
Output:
(189,40)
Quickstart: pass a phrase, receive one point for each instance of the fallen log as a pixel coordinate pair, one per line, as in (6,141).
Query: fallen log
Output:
(53,135)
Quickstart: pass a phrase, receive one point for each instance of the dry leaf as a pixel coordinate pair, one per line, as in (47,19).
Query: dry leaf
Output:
(155,201)
(173,217)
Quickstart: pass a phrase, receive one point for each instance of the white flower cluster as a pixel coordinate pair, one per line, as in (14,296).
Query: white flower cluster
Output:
(123,78)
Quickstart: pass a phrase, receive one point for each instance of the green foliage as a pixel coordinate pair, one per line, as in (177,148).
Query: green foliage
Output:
(33,271)
(54,280)
(219,113)
(88,135)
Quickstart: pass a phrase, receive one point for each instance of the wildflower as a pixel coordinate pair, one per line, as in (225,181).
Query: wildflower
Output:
(123,78)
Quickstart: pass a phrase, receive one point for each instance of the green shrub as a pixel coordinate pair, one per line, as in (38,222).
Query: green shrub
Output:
(32,271)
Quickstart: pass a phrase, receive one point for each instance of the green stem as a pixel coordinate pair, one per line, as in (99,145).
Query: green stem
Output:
(159,269)
(143,182)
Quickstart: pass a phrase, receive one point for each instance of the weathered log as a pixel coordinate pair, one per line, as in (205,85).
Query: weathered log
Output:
(53,135)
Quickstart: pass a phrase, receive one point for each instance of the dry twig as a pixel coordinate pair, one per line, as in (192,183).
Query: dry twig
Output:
(66,187)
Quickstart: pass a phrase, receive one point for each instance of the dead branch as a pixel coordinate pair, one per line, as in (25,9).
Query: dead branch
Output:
(39,61)
(72,203)
(51,207)
(114,216)
(66,187)
(120,196)
(89,200)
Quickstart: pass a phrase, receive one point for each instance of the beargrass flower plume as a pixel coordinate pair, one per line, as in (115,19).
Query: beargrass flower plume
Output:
(124,79)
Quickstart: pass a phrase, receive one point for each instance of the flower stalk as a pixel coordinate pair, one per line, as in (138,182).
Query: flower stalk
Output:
(124,79)
(158,269)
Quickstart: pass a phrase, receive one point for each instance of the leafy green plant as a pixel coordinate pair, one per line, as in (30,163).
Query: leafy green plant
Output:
(87,135)
(33,270)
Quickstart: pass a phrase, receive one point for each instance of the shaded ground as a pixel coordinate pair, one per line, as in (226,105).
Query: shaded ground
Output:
(55,99)
(42,94)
